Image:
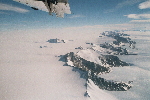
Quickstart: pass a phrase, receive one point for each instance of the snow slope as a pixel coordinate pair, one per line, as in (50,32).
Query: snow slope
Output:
(29,72)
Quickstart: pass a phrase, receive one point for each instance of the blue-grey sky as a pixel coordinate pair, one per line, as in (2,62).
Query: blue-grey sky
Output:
(15,16)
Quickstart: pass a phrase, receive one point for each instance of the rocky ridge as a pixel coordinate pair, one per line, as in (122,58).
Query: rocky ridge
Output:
(121,40)
(102,63)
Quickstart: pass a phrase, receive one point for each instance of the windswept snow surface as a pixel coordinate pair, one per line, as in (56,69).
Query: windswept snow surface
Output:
(28,72)
(30,68)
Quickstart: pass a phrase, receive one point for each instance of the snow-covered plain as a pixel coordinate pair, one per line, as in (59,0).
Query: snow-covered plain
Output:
(30,68)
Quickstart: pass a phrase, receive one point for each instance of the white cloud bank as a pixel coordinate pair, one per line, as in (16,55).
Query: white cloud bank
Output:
(141,18)
(12,8)
(144,5)
(138,16)
(141,21)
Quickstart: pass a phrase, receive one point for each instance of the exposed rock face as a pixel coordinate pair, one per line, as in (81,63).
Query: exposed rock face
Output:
(112,61)
(79,48)
(85,65)
(116,50)
(120,38)
(112,33)
(93,70)
(109,84)
(99,59)
(53,40)
(120,45)
(56,41)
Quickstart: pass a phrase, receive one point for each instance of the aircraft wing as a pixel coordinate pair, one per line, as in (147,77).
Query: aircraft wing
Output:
(59,8)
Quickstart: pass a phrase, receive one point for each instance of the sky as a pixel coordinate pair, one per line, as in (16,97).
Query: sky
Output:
(121,14)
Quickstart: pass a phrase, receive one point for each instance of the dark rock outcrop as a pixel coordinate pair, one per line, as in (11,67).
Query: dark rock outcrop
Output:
(86,65)
(115,50)
(109,85)
(55,41)
(92,70)
(112,60)
(120,38)
(103,63)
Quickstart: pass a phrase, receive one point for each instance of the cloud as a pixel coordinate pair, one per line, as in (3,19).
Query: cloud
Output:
(138,16)
(140,21)
(12,8)
(144,5)
(142,18)
(107,27)
(76,16)
(123,4)
(129,26)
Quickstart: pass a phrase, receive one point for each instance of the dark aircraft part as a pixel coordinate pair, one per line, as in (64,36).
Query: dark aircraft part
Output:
(63,1)
(54,1)
(48,1)
(34,8)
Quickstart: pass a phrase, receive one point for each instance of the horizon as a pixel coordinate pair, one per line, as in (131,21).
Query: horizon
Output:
(99,52)
(119,14)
